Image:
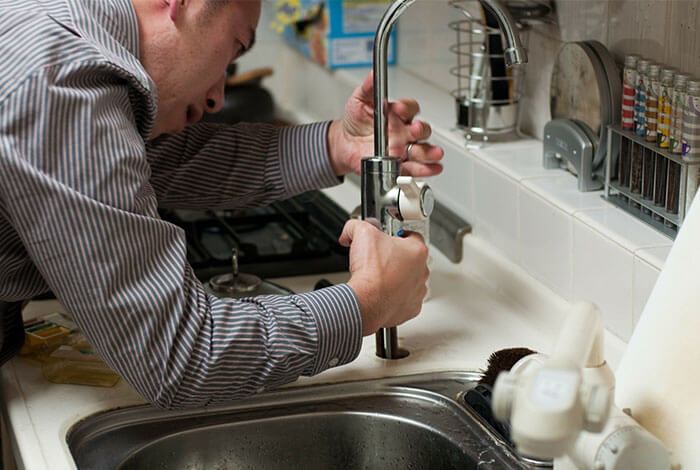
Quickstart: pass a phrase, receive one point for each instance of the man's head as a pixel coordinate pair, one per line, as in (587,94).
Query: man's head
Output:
(186,46)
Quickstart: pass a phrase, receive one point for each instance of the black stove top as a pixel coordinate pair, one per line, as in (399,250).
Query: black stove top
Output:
(289,238)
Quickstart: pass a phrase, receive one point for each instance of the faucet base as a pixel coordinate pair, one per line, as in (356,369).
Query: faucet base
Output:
(388,344)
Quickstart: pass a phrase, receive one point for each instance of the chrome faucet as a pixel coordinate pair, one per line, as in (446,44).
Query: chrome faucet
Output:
(385,194)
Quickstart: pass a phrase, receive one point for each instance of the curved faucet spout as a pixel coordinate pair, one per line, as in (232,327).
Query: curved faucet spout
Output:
(514,52)
(381,48)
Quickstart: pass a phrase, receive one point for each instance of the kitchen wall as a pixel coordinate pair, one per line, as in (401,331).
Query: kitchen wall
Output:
(667,31)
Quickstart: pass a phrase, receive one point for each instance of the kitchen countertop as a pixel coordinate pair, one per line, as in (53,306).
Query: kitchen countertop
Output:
(483,304)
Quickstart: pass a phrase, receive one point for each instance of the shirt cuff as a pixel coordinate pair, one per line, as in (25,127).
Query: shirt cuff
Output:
(336,312)
(304,159)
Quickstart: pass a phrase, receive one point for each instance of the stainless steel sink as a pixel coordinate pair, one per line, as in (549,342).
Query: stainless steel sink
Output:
(398,423)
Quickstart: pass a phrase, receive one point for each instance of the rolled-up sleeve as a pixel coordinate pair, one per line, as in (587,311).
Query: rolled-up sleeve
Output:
(83,204)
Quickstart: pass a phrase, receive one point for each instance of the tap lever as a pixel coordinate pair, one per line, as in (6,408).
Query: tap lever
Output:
(416,200)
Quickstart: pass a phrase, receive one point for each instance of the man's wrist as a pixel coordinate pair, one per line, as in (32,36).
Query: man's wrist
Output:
(335,131)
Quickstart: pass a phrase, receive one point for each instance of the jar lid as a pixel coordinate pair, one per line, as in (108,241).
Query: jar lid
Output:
(653,70)
(631,60)
(694,86)
(680,79)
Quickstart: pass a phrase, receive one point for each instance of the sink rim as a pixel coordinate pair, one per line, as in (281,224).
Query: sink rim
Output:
(440,390)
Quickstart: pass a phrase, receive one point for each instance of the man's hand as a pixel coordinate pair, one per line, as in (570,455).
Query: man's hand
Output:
(352,139)
(388,274)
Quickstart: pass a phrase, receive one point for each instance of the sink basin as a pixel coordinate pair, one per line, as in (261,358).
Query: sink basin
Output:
(398,423)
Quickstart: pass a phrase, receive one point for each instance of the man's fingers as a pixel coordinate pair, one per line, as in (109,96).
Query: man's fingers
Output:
(420,130)
(423,152)
(412,235)
(346,236)
(365,92)
(420,170)
(405,109)
(351,228)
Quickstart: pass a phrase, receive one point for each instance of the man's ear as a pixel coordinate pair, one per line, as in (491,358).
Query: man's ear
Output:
(174,8)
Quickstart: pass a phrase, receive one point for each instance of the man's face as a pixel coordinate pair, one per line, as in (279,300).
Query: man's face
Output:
(187,58)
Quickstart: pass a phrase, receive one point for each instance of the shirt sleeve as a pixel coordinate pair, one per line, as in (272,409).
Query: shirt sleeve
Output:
(81,201)
(243,165)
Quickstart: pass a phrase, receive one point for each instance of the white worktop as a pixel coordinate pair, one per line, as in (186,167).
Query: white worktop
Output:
(483,304)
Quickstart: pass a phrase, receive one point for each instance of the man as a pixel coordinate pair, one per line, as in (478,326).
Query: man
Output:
(100,102)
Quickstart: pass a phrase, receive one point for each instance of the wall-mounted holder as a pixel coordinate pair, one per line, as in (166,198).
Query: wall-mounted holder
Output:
(650,182)
(570,144)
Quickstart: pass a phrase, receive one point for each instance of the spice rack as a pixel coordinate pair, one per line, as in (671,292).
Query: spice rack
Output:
(640,204)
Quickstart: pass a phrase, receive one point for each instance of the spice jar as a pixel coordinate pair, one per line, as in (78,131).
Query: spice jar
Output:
(663,135)
(629,80)
(652,87)
(677,111)
(673,186)
(640,97)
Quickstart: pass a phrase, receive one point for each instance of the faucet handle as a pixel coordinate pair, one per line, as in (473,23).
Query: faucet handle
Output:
(416,200)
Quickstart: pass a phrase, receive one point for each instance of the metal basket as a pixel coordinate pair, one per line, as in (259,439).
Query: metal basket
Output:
(487,95)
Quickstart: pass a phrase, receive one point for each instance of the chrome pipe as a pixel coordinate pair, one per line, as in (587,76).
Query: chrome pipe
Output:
(379,173)
(381,82)
(514,53)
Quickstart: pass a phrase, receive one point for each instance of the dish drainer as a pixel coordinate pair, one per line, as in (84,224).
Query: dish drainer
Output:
(487,96)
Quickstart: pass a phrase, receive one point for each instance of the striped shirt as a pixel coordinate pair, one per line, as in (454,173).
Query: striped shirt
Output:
(80,184)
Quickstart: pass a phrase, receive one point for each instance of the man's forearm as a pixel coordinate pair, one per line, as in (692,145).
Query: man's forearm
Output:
(216,166)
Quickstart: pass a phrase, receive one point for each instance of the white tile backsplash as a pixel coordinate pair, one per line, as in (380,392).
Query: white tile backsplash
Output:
(455,186)
(604,274)
(519,160)
(546,242)
(623,228)
(655,256)
(496,209)
(560,188)
(645,276)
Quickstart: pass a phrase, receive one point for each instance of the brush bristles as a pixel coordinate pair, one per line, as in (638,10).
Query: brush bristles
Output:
(500,361)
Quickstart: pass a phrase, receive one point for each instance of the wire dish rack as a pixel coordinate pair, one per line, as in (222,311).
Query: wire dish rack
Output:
(488,95)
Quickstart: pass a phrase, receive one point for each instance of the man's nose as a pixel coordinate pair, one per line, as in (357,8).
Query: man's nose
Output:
(215,96)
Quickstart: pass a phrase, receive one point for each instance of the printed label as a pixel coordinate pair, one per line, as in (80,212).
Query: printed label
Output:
(677,123)
(664,125)
(640,99)
(693,108)
(362,16)
(357,50)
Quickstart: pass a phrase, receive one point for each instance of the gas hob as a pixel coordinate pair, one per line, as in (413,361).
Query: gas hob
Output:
(298,236)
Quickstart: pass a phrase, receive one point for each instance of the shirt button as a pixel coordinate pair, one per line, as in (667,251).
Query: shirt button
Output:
(333,362)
